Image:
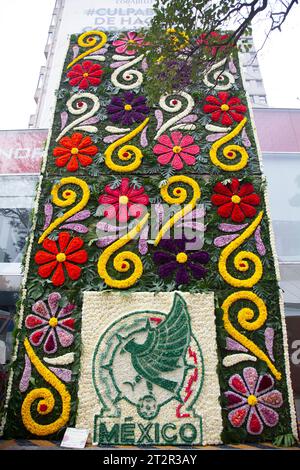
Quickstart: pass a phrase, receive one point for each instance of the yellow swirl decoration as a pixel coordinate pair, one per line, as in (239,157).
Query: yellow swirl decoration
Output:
(70,197)
(180,196)
(230,151)
(45,397)
(86,40)
(245,315)
(240,260)
(130,150)
(121,261)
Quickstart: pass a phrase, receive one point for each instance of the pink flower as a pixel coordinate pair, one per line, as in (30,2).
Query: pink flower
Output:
(176,149)
(253,397)
(124,202)
(50,325)
(129,39)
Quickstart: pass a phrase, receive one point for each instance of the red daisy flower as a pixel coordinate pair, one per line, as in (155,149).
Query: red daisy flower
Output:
(85,74)
(235,200)
(124,202)
(73,149)
(56,258)
(225,109)
(214,42)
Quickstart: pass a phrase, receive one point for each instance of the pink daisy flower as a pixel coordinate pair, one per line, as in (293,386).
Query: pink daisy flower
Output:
(177,150)
(129,39)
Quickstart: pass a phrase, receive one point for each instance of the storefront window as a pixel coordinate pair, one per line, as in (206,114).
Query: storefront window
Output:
(16,201)
(283,177)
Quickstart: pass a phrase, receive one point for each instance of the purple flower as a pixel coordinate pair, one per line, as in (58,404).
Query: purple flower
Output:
(253,397)
(175,258)
(127,109)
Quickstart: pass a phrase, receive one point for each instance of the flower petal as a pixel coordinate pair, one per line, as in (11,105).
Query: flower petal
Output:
(237,417)
(75,244)
(33,321)
(238,385)
(165,140)
(187,140)
(270,417)
(226,209)
(250,376)
(200,256)
(219,200)
(198,271)
(73,163)
(78,257)
(176,137)
(248,210)
(68,323)
(191,149)
(272,398)
(182,276)
(36,338)
(188,159)
(53,302)
(65,338)
(50,345)
(46,269)
(73,270)
(160,257)
(63,241)
(167,269)
(237,214)
(234,400)
(165,158)
(265,383)
(58,277)
(177,162)
(41,309)
(254,423)
(42,257)
(159,148)
(252,199)
(222,189)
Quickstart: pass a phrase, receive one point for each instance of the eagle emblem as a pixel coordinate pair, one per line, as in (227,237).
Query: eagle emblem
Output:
(148,357)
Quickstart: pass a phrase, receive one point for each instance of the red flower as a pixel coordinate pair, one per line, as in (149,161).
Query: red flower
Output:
(214,42)
(124,202)
(56,258)
(72,149)
(235,201)
(85,74)
(225,109)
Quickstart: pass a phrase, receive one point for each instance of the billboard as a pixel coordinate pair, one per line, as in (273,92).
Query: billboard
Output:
(21,151)
(76,17)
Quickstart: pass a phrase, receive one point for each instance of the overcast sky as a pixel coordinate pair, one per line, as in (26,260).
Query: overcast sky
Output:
(23,33)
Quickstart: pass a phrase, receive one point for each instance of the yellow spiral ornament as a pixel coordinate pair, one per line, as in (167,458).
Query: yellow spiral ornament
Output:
(122,261)
(69,198)
(245,319)
(230,152)
(127,153)
(46,399)
(179,197)
(88,40)
(241,260)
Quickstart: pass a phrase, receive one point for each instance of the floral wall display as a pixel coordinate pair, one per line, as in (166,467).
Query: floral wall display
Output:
(120,179)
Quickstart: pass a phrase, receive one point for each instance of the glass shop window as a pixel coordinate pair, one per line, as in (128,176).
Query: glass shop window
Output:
(16,201)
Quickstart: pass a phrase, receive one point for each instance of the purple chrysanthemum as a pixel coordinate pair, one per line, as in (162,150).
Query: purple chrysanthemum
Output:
(127,109)
(175,258)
